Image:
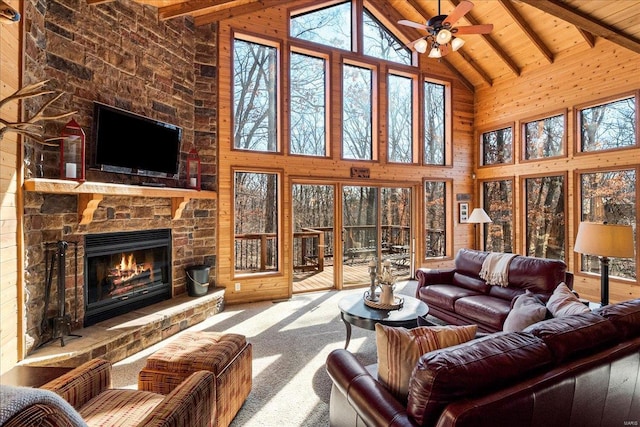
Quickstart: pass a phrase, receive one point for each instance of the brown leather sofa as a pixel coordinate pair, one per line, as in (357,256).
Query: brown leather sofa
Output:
(460,297)
(581,370)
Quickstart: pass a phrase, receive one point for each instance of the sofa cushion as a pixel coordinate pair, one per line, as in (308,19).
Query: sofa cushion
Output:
(120,407)
(539,275)
(399,349)
(484,309)
(570,336)
(625,316)
(444,296)
(479,366)
(526,310)
(563,302)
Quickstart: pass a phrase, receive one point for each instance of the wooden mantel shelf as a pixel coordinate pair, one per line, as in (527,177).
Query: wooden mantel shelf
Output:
(90,194)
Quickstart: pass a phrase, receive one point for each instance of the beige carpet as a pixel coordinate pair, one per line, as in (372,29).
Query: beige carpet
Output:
(291,340)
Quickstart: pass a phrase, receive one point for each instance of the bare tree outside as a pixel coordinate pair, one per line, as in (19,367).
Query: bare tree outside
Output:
(435,219)
(400,123)
(357,98)
(330,26)
(379,42)
(308,105)
(610,197)
(434,123)
(497,146)
(255,96)
(545,217)
(545,137)
(608,126)
(498,203)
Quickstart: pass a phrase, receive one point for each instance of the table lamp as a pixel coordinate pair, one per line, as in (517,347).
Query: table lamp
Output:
(604,241)
(478,216)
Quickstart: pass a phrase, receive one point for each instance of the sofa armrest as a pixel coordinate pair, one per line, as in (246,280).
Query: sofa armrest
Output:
(192,403)
(432,276)
(369,398)
(81,384)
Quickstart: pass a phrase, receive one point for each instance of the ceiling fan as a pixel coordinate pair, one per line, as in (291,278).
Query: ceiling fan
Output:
(442,33)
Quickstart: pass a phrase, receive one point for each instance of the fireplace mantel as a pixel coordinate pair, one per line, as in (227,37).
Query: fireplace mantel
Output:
(90,194)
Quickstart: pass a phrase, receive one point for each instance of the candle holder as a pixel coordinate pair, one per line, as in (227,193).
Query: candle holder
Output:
(72,146)
(193,170)
(373,273)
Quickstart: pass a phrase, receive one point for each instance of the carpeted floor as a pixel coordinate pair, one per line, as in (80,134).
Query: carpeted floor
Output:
(291,340)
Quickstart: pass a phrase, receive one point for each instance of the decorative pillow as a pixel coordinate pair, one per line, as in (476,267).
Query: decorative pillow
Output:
(526,310)
(563,302)
(399,350)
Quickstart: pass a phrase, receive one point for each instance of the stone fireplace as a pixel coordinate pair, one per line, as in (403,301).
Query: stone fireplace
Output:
(125,271)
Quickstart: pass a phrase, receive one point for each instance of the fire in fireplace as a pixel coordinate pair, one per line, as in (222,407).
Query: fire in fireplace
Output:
(125,271)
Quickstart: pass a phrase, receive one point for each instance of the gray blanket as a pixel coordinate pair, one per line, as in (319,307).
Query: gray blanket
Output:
(14,399)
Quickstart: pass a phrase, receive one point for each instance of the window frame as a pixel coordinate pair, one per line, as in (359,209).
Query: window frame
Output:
(483,204)
(541,117)
(449,220)
(523,202)
(480,145)
(279,271)
(415,115)
(577,118)
(326,56)
(448,119)
(278,45)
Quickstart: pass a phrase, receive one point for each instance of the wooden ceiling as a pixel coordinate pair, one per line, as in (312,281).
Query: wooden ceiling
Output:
(527,34)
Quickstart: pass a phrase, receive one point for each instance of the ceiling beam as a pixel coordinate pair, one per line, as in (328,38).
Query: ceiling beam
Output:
(586,22)
(587,36)
(508,6)
(491,42)
(95,2)
(476,67)
(234,12)
(189,7)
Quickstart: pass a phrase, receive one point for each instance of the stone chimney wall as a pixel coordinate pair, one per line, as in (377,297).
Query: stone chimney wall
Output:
(120,54)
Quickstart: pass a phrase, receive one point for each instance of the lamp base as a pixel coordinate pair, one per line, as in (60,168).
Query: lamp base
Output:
(604,281)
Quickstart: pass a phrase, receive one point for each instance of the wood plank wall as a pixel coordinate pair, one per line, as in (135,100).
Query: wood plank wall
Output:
(580,76)
(273,25)
(10,182)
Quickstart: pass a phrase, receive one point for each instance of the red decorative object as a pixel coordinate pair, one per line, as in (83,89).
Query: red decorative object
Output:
(72,154)
(193,169)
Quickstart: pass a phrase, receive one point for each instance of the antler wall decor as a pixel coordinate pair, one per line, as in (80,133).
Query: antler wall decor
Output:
(30,127)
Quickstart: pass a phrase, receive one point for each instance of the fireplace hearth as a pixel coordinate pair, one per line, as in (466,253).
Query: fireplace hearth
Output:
(125,271)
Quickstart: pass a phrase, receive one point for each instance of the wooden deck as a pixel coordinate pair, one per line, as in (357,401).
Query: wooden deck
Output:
(355,275)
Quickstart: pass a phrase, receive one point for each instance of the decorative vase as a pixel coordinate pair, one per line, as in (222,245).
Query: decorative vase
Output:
(386,294)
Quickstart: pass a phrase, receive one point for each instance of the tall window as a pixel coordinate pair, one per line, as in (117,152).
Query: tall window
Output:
(434,123)
(256,222)
(381,43)
(498,203)
(608,126)
(400,113)
(545,217)
(435,219)
(357,99)
(330,26)
(255,96)
(308,111)
(544,137)
(610,197)
(497,146)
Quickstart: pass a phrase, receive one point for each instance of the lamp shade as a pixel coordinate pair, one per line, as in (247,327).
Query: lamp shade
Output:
(605,240)
(421,46)
(478,216)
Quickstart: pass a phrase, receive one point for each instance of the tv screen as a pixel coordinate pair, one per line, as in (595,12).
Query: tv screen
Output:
(130,143)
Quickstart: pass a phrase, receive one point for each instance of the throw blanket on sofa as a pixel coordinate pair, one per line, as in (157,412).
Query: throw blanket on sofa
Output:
(16,399)
(495,268)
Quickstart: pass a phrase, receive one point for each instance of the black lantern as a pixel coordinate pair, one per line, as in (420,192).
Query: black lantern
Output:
(193,169)
(72,152)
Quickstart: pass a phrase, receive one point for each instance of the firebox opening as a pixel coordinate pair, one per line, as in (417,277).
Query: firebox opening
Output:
(125,271)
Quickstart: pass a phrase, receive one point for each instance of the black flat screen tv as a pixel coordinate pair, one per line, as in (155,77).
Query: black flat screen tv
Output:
(126,142)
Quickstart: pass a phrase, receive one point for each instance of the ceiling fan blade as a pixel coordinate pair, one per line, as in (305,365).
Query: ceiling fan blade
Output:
(413,24)
(458,12)
(475,29)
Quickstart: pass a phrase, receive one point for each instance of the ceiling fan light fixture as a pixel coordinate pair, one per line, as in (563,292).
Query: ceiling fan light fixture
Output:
(457,43)
(435,52)
(444,36)
(421,46)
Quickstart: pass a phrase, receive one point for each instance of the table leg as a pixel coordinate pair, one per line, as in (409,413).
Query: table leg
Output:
(348,326)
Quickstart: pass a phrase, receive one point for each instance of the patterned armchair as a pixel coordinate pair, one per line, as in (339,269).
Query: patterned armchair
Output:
(87,389)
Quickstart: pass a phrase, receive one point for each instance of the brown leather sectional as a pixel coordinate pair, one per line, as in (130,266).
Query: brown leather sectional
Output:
(460,297)
(581,370)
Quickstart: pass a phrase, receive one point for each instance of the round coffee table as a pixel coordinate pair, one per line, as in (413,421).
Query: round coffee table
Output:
(353,311)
